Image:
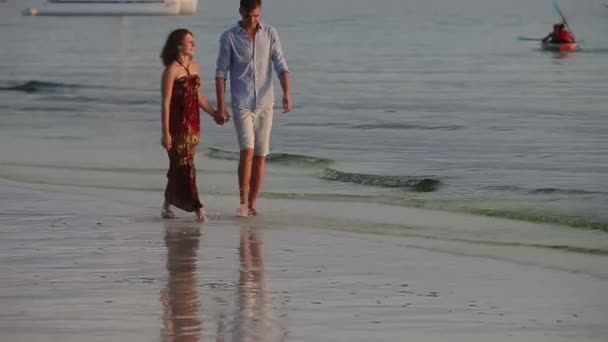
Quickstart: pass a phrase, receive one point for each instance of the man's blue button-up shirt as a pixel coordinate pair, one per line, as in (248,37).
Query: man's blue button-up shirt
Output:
(249,64)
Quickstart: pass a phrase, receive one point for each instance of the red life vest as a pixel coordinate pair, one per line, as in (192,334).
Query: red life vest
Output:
(563,37)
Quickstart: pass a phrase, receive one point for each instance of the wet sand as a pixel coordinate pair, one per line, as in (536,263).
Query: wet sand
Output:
(100,266)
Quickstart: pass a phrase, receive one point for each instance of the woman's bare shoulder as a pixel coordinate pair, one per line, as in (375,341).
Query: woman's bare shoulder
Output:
(171,70)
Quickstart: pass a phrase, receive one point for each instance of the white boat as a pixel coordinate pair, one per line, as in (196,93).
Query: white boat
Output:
(114,8)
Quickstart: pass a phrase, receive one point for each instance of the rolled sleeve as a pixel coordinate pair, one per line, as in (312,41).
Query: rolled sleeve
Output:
(223,58)
(278,58)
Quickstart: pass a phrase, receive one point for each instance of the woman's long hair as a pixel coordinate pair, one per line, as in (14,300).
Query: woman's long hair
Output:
(171,48)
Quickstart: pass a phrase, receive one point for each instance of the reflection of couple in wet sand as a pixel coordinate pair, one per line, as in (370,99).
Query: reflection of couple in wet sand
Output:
(253,318)
(180,298)
(180,301)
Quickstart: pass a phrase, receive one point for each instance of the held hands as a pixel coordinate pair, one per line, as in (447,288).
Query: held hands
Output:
(287,103)
(221,116)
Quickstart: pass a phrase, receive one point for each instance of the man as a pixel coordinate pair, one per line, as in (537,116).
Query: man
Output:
(248,51)
(559,35)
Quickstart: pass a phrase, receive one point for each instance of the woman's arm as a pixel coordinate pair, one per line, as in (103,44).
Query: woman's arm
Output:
(204,104)
(202,100)
(166,92)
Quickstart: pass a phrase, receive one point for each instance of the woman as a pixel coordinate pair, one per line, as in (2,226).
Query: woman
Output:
(181,99)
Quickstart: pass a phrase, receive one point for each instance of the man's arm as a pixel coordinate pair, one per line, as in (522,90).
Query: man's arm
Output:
(221,72)
(286,85)
(280,67)
(277,55)
(220,94)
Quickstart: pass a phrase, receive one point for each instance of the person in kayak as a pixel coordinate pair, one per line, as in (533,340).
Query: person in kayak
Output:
(560,35)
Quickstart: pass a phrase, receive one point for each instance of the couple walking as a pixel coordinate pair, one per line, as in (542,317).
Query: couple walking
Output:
(247,53)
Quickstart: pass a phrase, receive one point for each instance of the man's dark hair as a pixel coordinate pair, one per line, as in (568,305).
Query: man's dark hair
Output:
(249,5)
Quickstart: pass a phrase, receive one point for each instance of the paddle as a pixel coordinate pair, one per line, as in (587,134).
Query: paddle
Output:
(559,11)
(528,38)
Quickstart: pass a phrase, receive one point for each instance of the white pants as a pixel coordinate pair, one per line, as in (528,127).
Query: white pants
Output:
(253,129)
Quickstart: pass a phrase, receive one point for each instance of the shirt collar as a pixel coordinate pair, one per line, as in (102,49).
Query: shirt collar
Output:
(240,28)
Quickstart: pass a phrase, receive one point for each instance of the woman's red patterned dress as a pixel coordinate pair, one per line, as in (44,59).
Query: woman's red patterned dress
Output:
(184,127)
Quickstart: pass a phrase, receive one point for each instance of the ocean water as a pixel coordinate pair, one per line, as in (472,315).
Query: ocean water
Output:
(409,103)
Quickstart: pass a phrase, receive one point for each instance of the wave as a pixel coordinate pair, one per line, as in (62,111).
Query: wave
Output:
(383,126)
(368,228)
(530,215)
(534,215)
(457,206)
(274,158)
(564,191)
(72,99)
(394,229)
(543,191)
(420,184)
(121,187)
(407,127)
(37,86)
(539,217)
(114,100)
(87,168)
(290,159)
(48,109)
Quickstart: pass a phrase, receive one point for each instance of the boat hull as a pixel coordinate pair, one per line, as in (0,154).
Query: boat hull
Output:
(559,47)
(115,8)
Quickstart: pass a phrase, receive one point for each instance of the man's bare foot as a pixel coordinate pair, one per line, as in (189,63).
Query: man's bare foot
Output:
(200,216)
(243,211)
(252,212)
(166,213)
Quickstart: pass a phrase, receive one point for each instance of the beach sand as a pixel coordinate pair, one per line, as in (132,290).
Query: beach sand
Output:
(99,265)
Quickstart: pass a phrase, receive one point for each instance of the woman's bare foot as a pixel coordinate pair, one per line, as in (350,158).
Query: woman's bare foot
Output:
(166,213)
(252,212)
(200,216)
